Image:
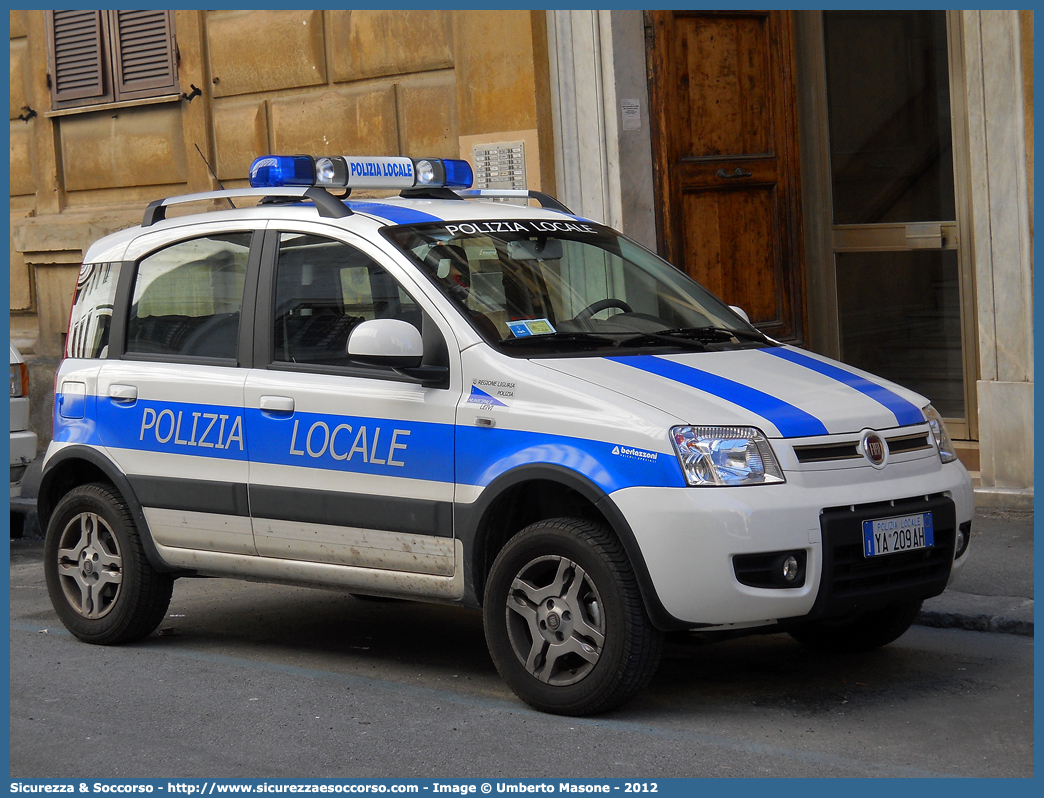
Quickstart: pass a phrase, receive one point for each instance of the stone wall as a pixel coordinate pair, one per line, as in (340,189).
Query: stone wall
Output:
(416,83)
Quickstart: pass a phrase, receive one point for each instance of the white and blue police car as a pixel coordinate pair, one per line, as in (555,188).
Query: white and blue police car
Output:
(445,398)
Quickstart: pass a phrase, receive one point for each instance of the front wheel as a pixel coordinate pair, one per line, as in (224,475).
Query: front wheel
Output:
(861,633)
(565,621)
(99,580)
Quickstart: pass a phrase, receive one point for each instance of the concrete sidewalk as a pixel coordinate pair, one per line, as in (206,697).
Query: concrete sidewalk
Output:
(993,593)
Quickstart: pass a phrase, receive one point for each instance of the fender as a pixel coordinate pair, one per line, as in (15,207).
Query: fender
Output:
(47,502)
(470,518)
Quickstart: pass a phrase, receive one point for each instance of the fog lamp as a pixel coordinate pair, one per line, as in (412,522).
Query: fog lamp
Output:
(963,538)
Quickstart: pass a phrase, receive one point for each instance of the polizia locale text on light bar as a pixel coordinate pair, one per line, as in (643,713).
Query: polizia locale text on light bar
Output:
(359,171)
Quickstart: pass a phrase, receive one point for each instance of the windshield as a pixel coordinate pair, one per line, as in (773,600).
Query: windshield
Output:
(534,286)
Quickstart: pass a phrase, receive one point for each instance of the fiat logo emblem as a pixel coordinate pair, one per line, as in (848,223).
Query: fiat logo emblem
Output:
(874,448)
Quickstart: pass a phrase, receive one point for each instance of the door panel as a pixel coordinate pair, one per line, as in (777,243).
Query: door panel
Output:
(900,317)
(888,103)
(721,86)
(349,465)
(726,227)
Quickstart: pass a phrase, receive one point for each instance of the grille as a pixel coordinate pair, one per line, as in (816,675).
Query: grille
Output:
(827,452)
(909,443)
(849,450)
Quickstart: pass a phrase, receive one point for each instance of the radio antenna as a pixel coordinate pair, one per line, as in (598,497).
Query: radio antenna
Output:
(201,155)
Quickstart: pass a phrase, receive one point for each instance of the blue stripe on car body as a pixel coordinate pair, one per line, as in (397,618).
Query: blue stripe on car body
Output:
(395,214)
(388,447)
(484,454)
(792,422)
(905,413)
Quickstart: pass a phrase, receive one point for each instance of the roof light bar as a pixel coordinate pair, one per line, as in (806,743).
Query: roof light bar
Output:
(282,170)
(359,171)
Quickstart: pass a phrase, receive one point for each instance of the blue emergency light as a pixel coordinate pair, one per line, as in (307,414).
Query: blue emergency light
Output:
(359,171)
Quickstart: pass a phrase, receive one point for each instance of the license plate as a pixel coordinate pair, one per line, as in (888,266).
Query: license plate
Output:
(900,533)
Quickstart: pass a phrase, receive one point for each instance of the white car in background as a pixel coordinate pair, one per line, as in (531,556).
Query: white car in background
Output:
(23,440)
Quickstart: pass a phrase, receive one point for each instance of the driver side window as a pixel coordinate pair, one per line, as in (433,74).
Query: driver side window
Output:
(323,289)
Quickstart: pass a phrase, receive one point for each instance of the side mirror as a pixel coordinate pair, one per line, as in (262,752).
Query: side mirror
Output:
(395,344)
(740,312)
(386,342)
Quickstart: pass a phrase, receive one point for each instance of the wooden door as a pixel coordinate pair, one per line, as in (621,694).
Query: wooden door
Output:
(725,158)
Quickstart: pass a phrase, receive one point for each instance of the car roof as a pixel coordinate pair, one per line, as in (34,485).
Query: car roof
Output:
(388,211)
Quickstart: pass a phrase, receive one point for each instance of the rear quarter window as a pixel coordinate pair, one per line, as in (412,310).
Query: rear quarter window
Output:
(91,316)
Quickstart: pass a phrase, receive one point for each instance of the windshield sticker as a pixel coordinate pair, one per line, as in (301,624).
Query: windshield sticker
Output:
(527,327)
(491,393)
(521,226)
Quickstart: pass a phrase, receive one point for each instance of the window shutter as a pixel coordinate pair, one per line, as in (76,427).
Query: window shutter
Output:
(78,62)
(143,53)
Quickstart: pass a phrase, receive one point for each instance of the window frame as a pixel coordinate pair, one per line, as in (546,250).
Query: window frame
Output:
(125,296)
(264,320)
(111,86)
(74,338)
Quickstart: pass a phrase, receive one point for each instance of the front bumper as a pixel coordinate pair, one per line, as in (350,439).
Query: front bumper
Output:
(689,537)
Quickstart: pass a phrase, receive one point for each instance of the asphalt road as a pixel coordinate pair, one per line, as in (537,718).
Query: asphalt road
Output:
(247,680)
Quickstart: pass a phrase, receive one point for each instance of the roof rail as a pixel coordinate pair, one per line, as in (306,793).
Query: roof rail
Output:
(326,203)
(545,200)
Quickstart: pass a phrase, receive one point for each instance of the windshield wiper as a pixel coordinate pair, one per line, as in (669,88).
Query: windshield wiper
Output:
(560,337)
(664,338)
(712,334)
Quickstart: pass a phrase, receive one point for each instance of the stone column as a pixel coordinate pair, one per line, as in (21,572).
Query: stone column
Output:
(1002,246)
(603,167)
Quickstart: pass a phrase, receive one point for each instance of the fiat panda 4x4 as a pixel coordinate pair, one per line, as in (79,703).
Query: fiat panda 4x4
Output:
(445,398)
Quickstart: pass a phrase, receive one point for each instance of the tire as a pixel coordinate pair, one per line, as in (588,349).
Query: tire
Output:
(98,577)
(565,622)
(862,633)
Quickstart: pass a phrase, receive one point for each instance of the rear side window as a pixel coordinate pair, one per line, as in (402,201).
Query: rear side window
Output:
(92,310)
(188,298)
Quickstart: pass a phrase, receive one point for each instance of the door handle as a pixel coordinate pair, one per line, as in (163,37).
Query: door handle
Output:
(277,404)
(732,175)
(123,393)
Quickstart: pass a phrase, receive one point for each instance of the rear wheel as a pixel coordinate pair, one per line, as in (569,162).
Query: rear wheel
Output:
(99,580)
(565,621)
(863,632)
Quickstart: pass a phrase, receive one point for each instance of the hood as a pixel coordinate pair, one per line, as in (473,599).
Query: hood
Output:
(785,392)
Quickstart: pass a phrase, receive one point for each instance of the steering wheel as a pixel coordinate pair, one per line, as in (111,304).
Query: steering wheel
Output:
(602,304)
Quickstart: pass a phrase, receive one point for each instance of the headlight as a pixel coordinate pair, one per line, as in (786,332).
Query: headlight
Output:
(725,456)
(942,438)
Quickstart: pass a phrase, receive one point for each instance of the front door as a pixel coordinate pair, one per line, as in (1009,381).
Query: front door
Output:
(349,465)
(725,158)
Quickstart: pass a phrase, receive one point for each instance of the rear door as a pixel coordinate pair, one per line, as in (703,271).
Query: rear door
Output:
(350,464)
(169,405)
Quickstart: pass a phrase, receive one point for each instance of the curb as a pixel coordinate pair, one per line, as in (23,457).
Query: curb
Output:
(1004,498)
(1004,614)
